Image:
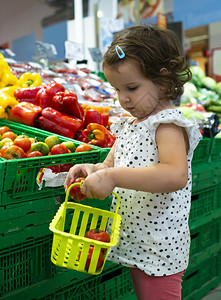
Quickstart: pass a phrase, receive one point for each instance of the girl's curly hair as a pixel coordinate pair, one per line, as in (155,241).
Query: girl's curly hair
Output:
(158,54)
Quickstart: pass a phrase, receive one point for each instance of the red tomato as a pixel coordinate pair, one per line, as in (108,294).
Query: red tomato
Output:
(83,148)
(59,149)
(14,152)
(99,235)
(23,142)
(34,154)
(55,168)
(75,191)
(89,256)
(9,134)
(66,167)
(4,129)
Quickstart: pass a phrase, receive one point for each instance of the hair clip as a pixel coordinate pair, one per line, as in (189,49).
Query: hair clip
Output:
(120,52)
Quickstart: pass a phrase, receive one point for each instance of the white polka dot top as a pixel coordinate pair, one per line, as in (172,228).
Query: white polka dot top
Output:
(154,235)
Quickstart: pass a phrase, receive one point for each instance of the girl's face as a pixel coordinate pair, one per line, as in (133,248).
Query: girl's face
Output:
(137,94)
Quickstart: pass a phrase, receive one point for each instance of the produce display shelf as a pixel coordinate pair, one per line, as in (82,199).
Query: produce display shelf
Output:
(69,285)
(18,180)
(200,279)
(204,203)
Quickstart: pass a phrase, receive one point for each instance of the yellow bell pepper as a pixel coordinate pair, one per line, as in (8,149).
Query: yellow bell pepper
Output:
(10,90)
(4,67)
(6,103)
(29,79)
(8,79)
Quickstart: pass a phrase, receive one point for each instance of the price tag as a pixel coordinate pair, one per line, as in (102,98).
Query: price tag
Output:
(46,50)
(7,52)
(73,50)
(95,54)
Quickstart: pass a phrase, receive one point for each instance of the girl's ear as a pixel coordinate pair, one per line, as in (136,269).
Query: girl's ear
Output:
(163,70)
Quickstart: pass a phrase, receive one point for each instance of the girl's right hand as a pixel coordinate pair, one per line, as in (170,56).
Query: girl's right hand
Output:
(81,170)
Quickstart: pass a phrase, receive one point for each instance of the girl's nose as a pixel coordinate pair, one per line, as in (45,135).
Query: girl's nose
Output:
(123,97)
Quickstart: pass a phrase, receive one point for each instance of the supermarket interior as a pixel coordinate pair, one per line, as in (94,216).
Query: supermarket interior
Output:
(56,111)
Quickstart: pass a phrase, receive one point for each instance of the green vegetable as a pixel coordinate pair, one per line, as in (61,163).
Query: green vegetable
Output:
(218,135)
(214,108)
(189,93)
(218,88)
(209,83)
(189,113)
(207,97)
(197,75)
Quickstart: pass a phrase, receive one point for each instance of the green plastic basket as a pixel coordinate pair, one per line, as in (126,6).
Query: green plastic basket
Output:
(18,176)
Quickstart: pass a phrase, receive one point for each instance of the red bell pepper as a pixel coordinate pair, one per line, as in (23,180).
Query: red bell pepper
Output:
(25,113)
(98,135)
(94,116)
(57,122)
(27,94)
(46,93)
(67,102)
(51,126)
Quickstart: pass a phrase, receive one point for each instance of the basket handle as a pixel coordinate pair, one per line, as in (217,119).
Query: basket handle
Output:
(80,183)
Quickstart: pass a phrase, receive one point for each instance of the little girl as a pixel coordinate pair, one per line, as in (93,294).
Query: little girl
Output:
(149,165)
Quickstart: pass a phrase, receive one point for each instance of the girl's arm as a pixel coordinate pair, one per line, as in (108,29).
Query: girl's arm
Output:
(169,175)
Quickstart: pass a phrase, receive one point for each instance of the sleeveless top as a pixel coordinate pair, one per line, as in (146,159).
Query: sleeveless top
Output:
(154,234)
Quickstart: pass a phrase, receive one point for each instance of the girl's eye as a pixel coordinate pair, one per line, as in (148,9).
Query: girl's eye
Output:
(132,88)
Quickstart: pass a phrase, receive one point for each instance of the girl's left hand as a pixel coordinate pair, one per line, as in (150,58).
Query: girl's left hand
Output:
(98,185)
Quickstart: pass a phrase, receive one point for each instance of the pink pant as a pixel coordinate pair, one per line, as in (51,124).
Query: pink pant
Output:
(156,287)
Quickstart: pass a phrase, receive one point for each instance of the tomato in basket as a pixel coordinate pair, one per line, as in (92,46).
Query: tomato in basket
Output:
(89,256)
(99,235)
(75,191)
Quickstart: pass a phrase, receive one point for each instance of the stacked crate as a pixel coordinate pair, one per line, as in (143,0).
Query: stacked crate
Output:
(204,270)
(26,271)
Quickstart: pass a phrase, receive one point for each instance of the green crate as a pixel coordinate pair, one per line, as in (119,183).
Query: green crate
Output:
(204,203)
(218,171)
(27,220)
(29,263)
(203,176)
(202,151)
(216,149)
(200,279)
(113,283)
(18,180)
(205,236)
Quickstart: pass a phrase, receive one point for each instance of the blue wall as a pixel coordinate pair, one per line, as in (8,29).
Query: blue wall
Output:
(56,35)
(196,13)
(24,47)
